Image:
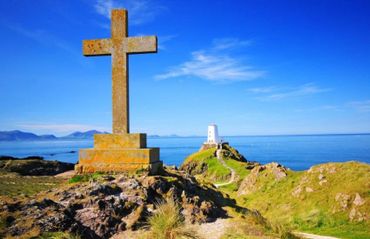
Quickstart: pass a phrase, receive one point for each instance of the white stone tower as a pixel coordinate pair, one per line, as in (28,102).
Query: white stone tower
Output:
(213,134)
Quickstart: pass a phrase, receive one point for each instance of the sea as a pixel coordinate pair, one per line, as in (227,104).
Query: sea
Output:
(295,152)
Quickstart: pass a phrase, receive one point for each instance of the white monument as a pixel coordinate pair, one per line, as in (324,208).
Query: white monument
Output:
(213,134)
(213,140)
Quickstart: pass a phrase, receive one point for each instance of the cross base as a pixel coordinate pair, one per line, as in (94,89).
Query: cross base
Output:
(119,153)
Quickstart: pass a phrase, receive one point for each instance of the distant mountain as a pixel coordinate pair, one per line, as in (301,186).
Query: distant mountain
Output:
(17,135)
(83,135)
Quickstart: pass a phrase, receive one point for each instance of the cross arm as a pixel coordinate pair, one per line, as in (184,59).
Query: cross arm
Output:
(99,47)
(146,44)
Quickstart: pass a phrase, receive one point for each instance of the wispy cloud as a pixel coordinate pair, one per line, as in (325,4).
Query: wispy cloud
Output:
(215,64)
(140,11)
(261,90)
(362,106)
(59,128)
(163,39)
(321,108)
(274,93)
(230,43)
(44,37)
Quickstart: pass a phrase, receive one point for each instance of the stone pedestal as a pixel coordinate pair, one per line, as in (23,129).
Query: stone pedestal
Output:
(119,153)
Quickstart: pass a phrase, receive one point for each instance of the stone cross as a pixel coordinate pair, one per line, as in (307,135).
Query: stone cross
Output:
(119,46)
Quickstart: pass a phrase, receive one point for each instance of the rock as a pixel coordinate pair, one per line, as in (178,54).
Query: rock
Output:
(278,170)
(250,185)
(296,192)
(135,219)
(309,190)
(102,208)
(356,215)
(105,189)
(358,201)
(343,200)
(231,153)
(322,182)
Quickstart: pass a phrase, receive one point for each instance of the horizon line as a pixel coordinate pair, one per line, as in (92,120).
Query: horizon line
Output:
(202,136)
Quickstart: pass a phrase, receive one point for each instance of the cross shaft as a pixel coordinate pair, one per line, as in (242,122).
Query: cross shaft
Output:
(119,46)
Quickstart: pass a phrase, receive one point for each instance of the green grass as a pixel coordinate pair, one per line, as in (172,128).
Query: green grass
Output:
(13,185)
(313,211)
(316,212)
(57,235)
(85,177)
(241,173)
(239,167)
(216,172)
(356,231)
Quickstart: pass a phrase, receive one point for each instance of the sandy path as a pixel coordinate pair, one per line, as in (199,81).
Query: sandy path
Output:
(67,174)
(233,174)
(313,236)
(213,230)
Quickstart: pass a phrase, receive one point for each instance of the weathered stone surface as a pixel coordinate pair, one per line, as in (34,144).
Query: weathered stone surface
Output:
(103,207)
(119,141)
(343,200)
(120,151)
(358,201)
(152,168)
(117,153)
(119,156)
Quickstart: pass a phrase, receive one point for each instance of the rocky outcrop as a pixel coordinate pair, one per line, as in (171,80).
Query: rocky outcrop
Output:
(351,204)
(231,153)
(33,166)
(250,183)
(103,207)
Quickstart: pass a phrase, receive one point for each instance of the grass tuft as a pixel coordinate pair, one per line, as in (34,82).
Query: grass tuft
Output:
(85,177)
(168,223)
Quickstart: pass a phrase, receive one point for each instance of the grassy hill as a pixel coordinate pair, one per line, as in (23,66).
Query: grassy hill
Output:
(205,166)
(328,199)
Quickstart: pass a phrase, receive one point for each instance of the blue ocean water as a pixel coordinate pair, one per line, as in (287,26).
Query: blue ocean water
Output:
(295,152)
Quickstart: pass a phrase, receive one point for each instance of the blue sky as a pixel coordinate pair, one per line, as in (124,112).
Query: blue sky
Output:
(252,67)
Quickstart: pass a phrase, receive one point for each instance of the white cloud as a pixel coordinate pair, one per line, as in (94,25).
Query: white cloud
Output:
(275,94)
(215,64)
(362,106)
(140,11)
(59,128)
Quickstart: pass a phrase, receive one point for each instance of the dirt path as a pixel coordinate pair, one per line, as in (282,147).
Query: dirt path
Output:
(67,174)
(233,174)
(313,236)
(213,230)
